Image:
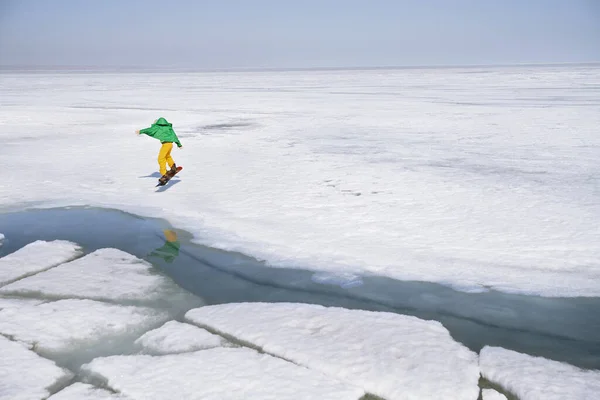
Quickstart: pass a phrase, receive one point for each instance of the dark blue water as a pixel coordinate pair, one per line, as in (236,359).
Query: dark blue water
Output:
(562,329)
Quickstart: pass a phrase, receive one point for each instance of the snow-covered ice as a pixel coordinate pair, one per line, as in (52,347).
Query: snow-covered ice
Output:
(8,302)
(178,337)
(84,391)
(65,325)
(36,257)
(216,374)
(532,378)
(389,355)
(474,178)
(26,376)
(106,274)
(477,178)
(491,394)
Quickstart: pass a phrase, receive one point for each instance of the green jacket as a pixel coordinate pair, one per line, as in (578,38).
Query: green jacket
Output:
(163,131)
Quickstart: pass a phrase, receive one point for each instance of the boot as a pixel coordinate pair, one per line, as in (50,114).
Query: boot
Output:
(163,179)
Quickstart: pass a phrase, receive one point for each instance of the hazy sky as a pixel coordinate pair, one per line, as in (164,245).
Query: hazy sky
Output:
(299,33)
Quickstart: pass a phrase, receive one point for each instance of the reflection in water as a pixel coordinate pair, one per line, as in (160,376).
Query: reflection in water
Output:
(170,249)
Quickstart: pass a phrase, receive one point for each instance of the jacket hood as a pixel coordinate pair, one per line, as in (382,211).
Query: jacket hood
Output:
(163,122)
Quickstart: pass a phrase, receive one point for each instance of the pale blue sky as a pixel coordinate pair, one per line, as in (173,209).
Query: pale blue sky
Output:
(302,33)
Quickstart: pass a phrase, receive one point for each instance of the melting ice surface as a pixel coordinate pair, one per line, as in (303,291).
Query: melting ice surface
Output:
(558,328)
(156,328)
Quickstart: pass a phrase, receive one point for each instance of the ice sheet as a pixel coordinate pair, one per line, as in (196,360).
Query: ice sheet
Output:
(83,391)
(491,394)
(177,337)
(26,376)
(35,257)
(216,374)
(389,355)
(66,325)
(532,378)
(106,274)
(479,179)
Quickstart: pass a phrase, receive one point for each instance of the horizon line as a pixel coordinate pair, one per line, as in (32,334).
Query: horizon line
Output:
(134,68)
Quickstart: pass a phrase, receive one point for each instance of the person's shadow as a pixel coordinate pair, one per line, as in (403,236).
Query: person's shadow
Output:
(157,175)
(152,175)
(169,184)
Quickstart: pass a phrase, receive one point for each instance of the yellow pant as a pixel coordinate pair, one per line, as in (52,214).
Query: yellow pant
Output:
(164,157)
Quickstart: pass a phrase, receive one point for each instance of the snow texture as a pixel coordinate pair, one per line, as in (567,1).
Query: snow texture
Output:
(1,239)
(65,325)
(491,394)
(106,274)
(389,355)
(6,302)
(216,374)
(36,257)
(177,337)
(83,391)
(26,376)
(533,378)
(476,178)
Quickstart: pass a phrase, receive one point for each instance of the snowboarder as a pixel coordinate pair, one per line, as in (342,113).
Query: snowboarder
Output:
(163,131)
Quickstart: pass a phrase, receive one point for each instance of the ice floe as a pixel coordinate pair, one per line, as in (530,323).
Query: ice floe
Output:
(65,325)
(36,257)
(178,337)
(106,274)
(532,378)
(216,374)
(26,376)
(389,355)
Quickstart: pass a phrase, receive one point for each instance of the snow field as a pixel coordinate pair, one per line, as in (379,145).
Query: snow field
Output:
(476,179)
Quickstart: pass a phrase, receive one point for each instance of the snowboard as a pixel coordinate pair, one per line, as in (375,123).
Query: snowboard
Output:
(170,174)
